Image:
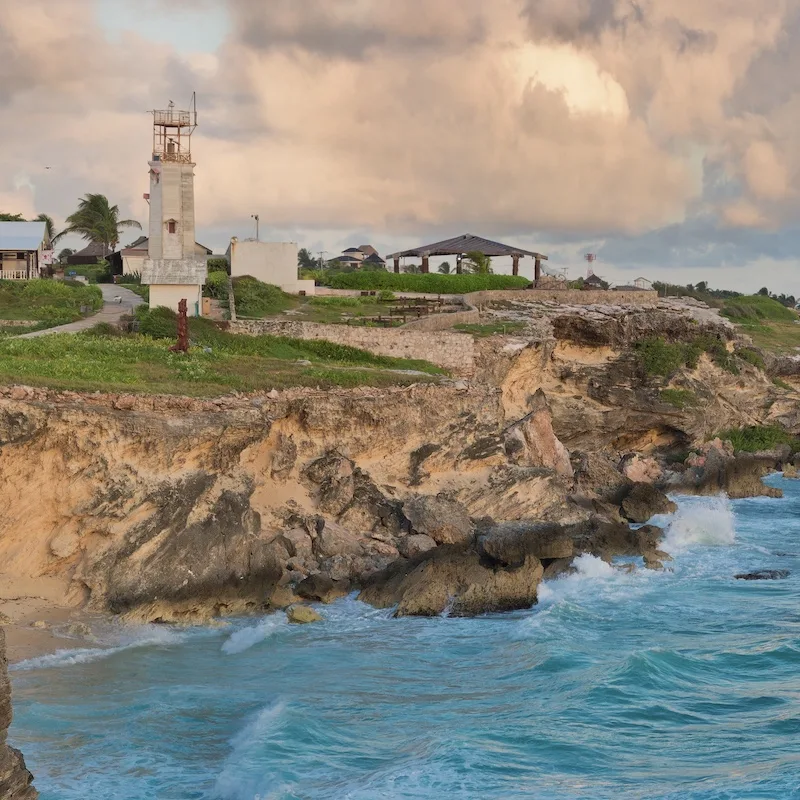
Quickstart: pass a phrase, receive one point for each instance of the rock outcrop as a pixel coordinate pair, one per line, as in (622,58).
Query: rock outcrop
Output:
(16,782)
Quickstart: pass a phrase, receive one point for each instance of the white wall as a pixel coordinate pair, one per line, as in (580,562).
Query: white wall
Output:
(268,262)
(170,295)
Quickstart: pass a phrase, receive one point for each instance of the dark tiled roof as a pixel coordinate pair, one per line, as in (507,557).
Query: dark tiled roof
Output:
(467,243)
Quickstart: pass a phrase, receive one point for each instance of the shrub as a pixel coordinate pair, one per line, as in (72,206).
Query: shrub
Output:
(217,285)
(660,358)
(256,299)
(428,283)
(386,296)
(679,398)
(751,357)
(219,265)
(782,384)
(757,438)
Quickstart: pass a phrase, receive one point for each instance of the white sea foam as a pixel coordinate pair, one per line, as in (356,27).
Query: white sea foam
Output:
(117,641)
(245,638)
(702,521)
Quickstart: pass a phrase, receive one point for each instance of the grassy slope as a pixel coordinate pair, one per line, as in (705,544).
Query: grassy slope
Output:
(217,363)
(771,326)
(47,302)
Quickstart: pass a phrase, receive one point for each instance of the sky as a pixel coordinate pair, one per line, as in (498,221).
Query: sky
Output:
(659,135)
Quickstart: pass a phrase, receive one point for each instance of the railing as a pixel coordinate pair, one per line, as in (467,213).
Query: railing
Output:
(172,118)
(14,275)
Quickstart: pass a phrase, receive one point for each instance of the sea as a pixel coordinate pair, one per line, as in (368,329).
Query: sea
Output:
(679,685)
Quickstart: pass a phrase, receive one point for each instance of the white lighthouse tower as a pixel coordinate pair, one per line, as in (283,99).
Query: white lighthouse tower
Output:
(173,269)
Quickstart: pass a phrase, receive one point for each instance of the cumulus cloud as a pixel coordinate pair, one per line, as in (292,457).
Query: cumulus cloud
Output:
(589,117)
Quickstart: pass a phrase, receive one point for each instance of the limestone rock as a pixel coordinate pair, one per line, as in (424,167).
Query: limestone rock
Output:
(453,580)
(302,615)
(641,469)
(532,442)
(413,545)
(323,588)
(40,624)
(334,540)
(64,545)
(790,472)
(644,501)
(764,575)
(444,520)
(298,543)
(282,597)
(511,543)
(79,629)
(557,568)
(15,780)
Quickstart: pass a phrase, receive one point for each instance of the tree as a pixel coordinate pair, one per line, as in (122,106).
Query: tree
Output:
(702,286)
(97,221)
(65,254)
(764,291)
(50,228)
(478,263)
(412,269)
(305,260)
(444,268)
(5,217)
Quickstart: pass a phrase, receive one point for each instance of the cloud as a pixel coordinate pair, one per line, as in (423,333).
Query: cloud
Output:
(560,119)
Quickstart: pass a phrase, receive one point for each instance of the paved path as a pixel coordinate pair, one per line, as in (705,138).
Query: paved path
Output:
(117,301)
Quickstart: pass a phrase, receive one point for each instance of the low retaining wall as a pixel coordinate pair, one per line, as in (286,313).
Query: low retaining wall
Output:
(451,351)
(443,322)
(574,297)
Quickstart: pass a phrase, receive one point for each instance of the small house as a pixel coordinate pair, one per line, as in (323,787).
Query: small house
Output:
(93,253)
(25,250)
(593,282)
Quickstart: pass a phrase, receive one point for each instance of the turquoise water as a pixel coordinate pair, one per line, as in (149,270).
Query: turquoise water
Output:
(677,685)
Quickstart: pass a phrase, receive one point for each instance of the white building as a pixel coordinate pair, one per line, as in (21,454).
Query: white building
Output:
(268,262)
(24,250)
(172,268)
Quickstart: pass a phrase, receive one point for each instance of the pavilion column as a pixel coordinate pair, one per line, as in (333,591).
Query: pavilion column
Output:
(515,265)
(458,265)
(537,271)
(426,264)
(397,264)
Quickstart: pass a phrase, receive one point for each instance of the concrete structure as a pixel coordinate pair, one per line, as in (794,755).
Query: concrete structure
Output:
(24,250)
(130,260)
(268,262)
(172,269)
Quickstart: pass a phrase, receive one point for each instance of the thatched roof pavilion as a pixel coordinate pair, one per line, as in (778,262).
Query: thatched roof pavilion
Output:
(459,246)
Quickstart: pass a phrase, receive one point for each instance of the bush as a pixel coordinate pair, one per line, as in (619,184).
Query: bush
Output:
(751,357)
(679,398)
(256,299)
(217,286)
(757,438)
(660,358)
(430,283)
(386,296)
(782,384)
(219,265)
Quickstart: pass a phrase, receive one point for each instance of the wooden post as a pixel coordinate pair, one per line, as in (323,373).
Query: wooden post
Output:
(397,264)
(537,271)
(182,344)
(426,264)
(515,265)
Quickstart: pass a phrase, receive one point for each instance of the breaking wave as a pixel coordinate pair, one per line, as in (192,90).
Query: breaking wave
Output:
(245,638)
(701,521)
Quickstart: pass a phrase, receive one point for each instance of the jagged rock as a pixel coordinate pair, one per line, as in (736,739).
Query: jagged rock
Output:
(40,624)
(334,540)
(644,501)
(557,567)
(282,597)
(79,629)
(641,469)
(302,615)
(738,476)
(790,472)
(607,540)
(454,580)
(5,619)
(64,545)
(444,520)
(413,545)
(651,561)
(15,779)
(510,543)
(531,441)
(323,588)
(299,543)
(764,575)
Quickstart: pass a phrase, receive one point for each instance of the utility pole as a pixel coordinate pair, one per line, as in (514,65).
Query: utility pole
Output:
(255,217)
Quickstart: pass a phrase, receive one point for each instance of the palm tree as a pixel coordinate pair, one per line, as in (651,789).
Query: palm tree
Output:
(444,268)
(478,263)
(50,229)
(97,221)
(65,254)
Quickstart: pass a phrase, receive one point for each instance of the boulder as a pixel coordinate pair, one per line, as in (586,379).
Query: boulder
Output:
(444,520)
(641,469)
(558,567)
(607,540)
(298,543)
(790,472)
(282,597)
(64,545)
(531,442)
(454,580)
(416,543)
(302,615)
(763,575)
(644,501)
(323,588)
(510,543)
(334,540)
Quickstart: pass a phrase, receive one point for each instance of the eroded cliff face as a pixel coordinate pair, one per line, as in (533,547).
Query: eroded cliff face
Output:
(15,779)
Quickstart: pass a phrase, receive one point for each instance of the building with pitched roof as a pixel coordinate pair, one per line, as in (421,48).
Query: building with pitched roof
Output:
(25,250)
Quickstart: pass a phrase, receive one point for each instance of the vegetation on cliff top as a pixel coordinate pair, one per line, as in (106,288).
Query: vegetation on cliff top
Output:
(106,359)
(664,359)
(428,283)
(47,303)
(758,438)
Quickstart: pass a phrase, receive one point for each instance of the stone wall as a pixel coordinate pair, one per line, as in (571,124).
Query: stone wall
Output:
(575,297)
(451,351)
(443,322)
(15,780)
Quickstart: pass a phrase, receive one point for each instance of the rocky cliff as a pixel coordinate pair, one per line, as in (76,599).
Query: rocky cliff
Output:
(15,780)
(164,508)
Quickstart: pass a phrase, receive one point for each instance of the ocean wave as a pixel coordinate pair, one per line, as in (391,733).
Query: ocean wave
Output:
(702,521)
(116,642)
(245,638)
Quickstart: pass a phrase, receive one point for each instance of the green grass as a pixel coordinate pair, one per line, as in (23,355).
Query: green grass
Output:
(254,299)
(757,438)
(751,357)
(217,363)
(491,328)
(782,384)
(679,398)
(48,302)
(94,273)
(664,359)
(138,288)
(756,308)
(429,284)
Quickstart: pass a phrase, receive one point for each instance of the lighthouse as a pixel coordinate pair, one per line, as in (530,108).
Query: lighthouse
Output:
(174,269)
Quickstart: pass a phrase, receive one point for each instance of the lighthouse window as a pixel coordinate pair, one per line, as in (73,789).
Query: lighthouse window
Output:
(171,226)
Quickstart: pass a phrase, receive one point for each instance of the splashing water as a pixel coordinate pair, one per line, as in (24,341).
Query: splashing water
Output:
(646,685)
